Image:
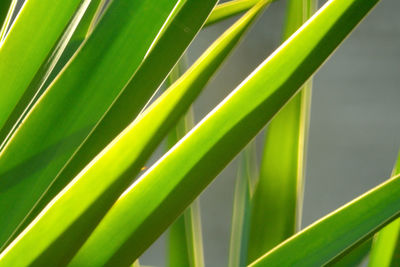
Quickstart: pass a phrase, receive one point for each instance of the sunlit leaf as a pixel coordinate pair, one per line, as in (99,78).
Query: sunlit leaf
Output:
(385,250)
(185,245)
(75,101)
(276,206)
(88,203)
(156,199)
(39,24)
(325,239)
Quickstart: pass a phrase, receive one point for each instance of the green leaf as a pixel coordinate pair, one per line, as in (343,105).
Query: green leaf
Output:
(247,174)
(90,19)
(185,246)
(385,250)
(322,241)
(116,166)
(57,58)
(75,101)
(276,206)
(157,198)
(352,256)
(5,7)
(150,74)
(185,240)
(40,23)
(230,9)
(72,38)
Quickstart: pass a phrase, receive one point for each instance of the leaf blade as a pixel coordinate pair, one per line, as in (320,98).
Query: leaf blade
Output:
(342,228)
(386,244)
(185,245)
(193,160)
(110,186)
(134,96)
(229,9)
(40,23)
(276,206)
(244,188)
(71,106)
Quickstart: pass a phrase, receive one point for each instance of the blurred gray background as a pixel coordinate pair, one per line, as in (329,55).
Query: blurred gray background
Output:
(355,119)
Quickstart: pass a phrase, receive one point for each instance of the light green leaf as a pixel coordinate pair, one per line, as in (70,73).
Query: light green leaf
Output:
(385,250)
(136,264)
(185,239)
(185,245)
(325,239)
(276,206)
(40,23)
(87,203)
(247,176)
(73,104)
(58,57)
(229,9)
(157,198)
(72,38)
(150,74)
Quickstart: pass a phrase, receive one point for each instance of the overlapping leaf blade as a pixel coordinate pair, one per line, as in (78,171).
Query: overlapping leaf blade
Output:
(276,206)
(4,7)
(86,203)
(324,240)
(61,52)
(244,190)
(39,24)
(73,104)
(185,245)
(385,248)
(146,209)
(229,9)
(133,98)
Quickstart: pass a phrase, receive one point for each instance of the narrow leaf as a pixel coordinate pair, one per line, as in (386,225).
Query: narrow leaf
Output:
(72,38)
(185,246)
(87,203)
(75,101)
(229,9)
(385,250)
(276,206)
(156,199)
(244,188)
(40,23)
(384,245)
(57,58)
(322,241)
(352,256)
(151,73)
(5,7)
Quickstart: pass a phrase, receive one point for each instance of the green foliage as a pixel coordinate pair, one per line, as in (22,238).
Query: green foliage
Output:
(276,207)
(78,121)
